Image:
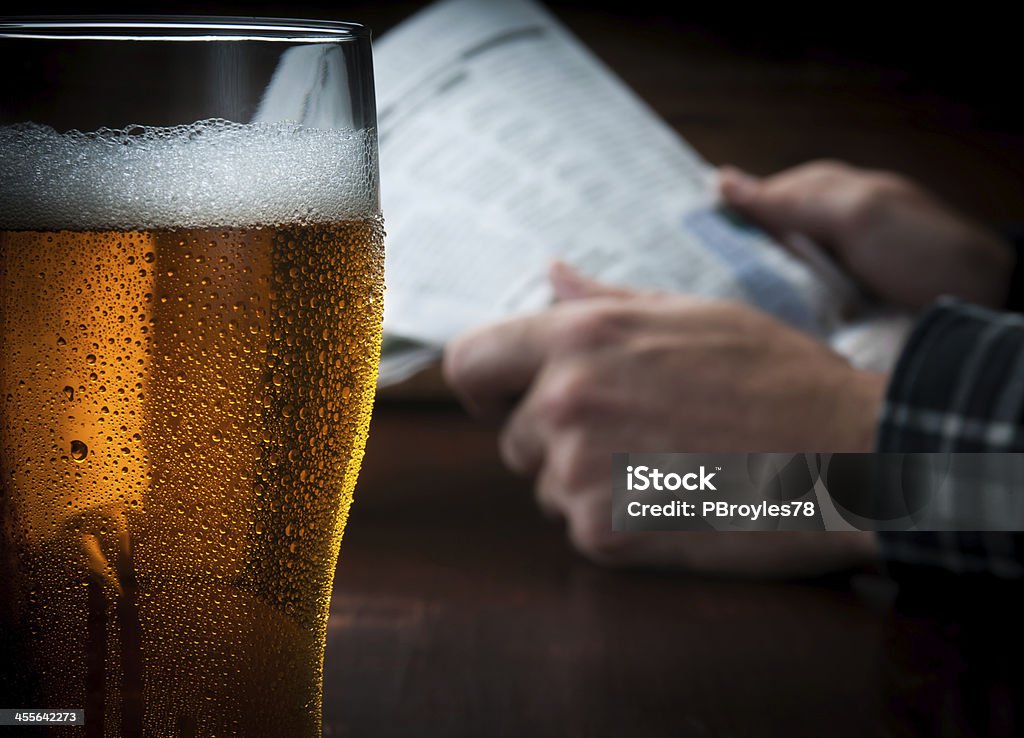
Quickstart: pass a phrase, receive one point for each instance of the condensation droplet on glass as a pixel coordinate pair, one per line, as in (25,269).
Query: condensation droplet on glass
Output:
(79,450)
(69,392)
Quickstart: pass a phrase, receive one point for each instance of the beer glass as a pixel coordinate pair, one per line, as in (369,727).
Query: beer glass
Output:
(191,278)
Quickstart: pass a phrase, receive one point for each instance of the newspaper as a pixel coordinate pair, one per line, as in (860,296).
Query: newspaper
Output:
(504,145)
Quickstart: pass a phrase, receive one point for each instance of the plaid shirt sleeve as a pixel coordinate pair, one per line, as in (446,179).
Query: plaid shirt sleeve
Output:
(958,386)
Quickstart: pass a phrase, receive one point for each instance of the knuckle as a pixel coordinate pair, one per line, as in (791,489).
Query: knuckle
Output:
(828,168)
(565,396)
(867,204)
(584,327)
(571,464)
(882,186)
(888,180)
(807,182)
(809,179)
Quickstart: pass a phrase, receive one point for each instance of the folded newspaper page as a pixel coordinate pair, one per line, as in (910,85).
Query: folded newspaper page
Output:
(505,144)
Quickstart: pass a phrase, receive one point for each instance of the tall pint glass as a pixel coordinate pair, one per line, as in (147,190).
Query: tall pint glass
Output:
(191,278)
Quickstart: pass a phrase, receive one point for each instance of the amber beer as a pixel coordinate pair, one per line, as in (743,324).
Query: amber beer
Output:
(185,407)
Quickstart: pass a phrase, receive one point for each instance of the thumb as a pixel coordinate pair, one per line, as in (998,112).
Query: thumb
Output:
(800,200)
(569,284)
(738,188)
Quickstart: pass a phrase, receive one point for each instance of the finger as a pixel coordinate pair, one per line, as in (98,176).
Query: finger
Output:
(539,433)
(736,186)
(814,199)
(548,492)
(565,460)
(523,445)
(490,367)
(569,284)
(524,439)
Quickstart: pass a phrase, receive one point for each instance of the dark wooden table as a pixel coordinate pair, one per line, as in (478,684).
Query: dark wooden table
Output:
(460,611)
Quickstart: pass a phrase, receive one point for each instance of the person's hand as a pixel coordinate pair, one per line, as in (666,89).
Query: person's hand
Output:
(897,240)
(606,370)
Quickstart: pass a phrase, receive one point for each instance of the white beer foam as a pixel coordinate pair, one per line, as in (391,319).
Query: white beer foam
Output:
(212,173)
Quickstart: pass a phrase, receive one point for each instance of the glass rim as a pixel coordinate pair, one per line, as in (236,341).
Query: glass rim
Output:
(179,28)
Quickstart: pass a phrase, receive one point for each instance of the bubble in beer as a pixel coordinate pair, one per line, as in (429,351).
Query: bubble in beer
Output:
(212,173)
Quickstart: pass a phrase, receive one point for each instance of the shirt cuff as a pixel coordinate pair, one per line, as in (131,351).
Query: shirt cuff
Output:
(958,386)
